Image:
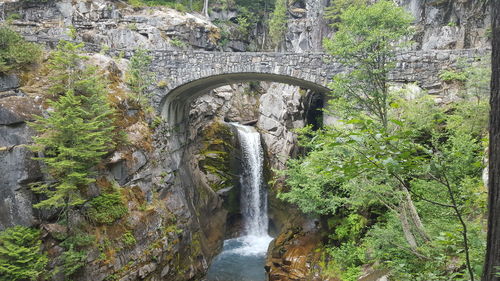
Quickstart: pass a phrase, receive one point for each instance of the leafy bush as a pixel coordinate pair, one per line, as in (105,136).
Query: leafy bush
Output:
(106,208)
(20,255)
(15,52)
(72,260)
(450,75)
(178,43)
(181,7)
(128,239)
(78,239)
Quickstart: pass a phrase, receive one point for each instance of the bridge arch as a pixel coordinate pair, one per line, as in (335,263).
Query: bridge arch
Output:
(174,104)
(190,73)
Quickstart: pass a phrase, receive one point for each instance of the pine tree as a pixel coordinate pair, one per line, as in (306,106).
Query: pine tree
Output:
(20,254)
(76,134)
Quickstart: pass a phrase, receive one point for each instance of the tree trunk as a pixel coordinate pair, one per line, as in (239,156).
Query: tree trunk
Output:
(415,218)
(410,238)
(205,8)
(492,261)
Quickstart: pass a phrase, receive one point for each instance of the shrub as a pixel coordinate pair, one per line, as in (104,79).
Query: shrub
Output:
(106,208)
(20,255)
(72,260)
(178,43)
(15,52)
(452,75)
(128,239)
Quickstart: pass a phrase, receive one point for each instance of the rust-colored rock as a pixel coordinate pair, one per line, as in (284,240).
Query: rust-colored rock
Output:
(292,254)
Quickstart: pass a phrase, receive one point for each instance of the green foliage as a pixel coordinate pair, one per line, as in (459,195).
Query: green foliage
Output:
(478,78)
(178,43)
(346,261)
(347,228)
(78,240)
(128,239)
(366,40)
(357,167)
(13,16)
(412,168)
(74,256)
(337,8)
(76,133)
(442,258)
(474,78)
(106,208)
(244,24)
(21,257)
(139,77)
(277,23)
(15,52)
(181,6)
(66,73)
(450,75)
(72,260)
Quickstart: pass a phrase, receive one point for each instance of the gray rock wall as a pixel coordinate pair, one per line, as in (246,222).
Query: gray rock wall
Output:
(17,168)
(439,25)
(112,24)
(450,24)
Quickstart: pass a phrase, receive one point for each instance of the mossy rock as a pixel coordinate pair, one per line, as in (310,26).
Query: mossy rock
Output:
(215,155)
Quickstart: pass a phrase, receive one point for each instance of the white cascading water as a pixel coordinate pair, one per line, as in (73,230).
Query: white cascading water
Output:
(242,258)
(253,198)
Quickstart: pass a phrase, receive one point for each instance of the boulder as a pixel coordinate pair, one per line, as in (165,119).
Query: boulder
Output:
(8,82)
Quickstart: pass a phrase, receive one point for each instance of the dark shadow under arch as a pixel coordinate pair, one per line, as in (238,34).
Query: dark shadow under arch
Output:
(173,104)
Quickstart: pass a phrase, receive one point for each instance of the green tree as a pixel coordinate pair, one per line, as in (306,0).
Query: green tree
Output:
(75,134)
(21,257)
(365,42)
(277,23)
(387,151)
(139,77)
(15,52)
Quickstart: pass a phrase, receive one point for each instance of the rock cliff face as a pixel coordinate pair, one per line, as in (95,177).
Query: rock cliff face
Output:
(177,229)
(306,26)
(111,24)
(443,24)
(17,167)
(440,24)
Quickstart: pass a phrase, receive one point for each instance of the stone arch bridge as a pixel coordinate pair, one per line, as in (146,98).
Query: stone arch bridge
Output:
(184,75)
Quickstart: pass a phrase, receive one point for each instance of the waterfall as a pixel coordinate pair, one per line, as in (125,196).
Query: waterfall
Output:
(243,258)
(253,196)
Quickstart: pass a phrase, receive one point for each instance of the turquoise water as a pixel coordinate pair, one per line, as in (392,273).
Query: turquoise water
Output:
(242,259)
